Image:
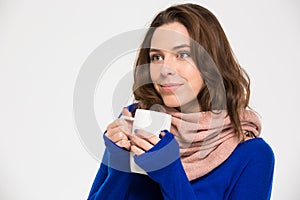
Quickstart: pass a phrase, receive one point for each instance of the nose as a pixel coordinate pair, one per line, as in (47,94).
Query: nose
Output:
(168,67)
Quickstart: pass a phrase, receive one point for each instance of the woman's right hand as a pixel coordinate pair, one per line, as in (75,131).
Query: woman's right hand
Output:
(120,130)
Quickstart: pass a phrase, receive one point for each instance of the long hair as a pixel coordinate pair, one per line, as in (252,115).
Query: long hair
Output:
(204,28)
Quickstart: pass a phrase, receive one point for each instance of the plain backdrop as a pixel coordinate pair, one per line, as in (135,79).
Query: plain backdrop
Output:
(43,45)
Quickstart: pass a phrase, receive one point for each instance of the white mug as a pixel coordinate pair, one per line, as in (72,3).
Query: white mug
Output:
(152,122)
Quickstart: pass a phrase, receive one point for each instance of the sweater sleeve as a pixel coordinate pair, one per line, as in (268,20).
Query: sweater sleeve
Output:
(163,165)
(255,182)
(100,177)
(114,168)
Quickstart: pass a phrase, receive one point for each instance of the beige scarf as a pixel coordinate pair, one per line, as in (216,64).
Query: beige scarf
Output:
(207,139)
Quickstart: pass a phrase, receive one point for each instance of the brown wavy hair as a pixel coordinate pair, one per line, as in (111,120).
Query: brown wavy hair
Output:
(227,85)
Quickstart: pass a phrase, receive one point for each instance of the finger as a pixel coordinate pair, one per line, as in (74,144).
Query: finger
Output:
(119,123)
(153,139)
(141,143)
(116,135)
(127,116)
(136,150)
(126,112)
(114,124)
(124,143)
(124,129)
(129,123)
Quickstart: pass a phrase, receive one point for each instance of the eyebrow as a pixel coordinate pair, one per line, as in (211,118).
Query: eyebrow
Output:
(174,48)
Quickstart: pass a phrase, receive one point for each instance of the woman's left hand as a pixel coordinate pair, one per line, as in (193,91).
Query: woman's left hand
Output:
(142,141)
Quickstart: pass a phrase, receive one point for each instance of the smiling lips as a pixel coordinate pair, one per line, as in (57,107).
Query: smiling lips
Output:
(170,87)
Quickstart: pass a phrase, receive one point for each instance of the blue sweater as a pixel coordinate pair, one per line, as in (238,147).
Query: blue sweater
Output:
(246,174)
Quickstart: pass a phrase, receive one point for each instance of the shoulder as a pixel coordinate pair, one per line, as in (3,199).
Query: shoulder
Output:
(251,170)
(253,159)
(256,149)
(256,145)
(255,153)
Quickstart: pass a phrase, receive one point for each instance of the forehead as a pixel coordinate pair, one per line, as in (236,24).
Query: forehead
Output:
(169,35)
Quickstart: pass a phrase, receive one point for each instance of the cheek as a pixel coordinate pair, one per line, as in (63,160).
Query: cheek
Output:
(198,84)
(193,77)
(154,72)
(154,75)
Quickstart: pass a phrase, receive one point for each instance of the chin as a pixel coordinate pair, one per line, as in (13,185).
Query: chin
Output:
(171,102)
(172,105)
(188,105)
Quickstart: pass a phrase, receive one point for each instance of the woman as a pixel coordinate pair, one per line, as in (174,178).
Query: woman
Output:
(186,68)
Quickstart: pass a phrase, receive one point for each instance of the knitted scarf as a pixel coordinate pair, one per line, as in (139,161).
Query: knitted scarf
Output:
(206,139)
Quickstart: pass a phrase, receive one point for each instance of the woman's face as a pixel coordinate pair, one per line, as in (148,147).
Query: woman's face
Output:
(173,71)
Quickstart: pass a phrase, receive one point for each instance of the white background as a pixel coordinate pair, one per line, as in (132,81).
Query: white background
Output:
(43,45)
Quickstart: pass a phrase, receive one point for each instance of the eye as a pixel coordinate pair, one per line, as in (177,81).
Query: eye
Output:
(156,58)
(183,54)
